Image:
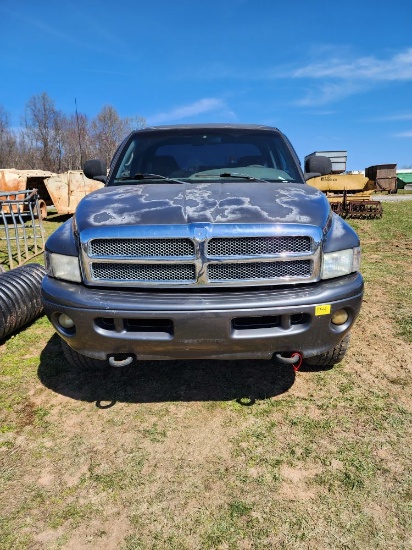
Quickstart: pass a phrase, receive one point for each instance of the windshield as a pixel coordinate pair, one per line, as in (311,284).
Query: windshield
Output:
(196,156)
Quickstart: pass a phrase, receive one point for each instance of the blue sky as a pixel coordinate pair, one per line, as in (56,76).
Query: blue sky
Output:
(332,76)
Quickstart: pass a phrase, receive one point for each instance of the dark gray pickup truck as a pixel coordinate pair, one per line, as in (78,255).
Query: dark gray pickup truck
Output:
(205,242)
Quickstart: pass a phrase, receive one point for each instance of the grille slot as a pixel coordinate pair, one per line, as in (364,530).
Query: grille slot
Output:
(257,246)
(259,270)
(250,323)
(143,272)
(150,326)
(269,322)
(142,248)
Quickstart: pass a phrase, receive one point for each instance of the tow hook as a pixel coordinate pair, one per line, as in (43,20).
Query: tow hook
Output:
(120,362)
(295,359)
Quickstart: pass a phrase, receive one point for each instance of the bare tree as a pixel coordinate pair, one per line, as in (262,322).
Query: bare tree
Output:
(59,125)
(76,141)
(51,140)
(137,122)
(8,142)
(108,130)
(27,158)
(43,129)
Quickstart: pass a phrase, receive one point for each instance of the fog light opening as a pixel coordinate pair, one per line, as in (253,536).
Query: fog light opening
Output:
(340,317)
(65,321)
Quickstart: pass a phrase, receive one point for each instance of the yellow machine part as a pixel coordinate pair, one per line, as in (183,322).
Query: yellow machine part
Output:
(350,195)
(338,183)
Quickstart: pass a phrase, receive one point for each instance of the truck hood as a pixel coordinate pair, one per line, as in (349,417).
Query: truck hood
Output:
(226,202)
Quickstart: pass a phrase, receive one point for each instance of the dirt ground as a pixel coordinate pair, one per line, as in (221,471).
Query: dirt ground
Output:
(213,454)
(144,460)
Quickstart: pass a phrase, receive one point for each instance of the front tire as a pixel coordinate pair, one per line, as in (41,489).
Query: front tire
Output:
(82,362)
(330,357)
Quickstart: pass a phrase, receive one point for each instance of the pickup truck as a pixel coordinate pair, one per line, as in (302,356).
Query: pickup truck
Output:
(205,242)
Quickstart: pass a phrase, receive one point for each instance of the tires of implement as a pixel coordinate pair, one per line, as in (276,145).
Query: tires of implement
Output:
(82,362)
(330,357)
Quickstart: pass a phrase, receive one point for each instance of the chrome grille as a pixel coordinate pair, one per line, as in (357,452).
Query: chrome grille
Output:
(259,270)
(138,248)
(143,272)
(221,254)
(256,246)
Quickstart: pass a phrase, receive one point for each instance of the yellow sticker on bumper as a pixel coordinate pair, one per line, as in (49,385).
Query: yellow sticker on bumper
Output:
(323,310)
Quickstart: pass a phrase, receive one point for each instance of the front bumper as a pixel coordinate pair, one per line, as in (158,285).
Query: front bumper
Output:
(238,324)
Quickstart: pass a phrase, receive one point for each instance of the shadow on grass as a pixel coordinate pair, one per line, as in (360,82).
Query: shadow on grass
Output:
(163,381)
(54,217)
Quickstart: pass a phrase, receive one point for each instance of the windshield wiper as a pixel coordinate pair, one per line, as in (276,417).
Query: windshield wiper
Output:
(241,176)
(229,175)
(246,177)
(140,176)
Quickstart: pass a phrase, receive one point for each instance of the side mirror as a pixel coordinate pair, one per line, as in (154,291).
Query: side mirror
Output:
(317,166)
(95,169)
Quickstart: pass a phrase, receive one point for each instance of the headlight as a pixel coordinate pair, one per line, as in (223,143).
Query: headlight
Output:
(63,267)
(342,262)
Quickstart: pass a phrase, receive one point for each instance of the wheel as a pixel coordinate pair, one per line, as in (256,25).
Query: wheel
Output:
(332,356)
(82,362)
(43,209)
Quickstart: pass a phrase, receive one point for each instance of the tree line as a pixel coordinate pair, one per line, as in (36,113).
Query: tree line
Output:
(50,140)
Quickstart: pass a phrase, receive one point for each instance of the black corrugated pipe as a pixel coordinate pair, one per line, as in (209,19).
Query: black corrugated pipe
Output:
(20,297)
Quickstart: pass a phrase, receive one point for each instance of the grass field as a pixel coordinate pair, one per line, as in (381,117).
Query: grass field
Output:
(214,454)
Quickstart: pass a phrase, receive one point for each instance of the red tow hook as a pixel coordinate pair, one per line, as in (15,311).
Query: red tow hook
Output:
(299,359)
(295,360)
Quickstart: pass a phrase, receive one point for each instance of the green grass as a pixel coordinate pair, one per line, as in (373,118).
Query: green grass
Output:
(156,459)
(387,252)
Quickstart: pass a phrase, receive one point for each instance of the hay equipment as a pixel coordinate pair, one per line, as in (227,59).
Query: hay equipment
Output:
(350,194)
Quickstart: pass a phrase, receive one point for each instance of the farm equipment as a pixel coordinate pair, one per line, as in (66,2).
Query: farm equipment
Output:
(384,177)
(66,190)
(20,181)
(62,191)
(350,194)
(21,228)
(20,297)
(22,238)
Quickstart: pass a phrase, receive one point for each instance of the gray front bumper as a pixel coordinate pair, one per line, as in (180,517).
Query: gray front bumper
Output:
(218,325)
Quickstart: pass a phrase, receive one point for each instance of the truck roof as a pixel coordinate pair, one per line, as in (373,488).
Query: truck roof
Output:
(209,126)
